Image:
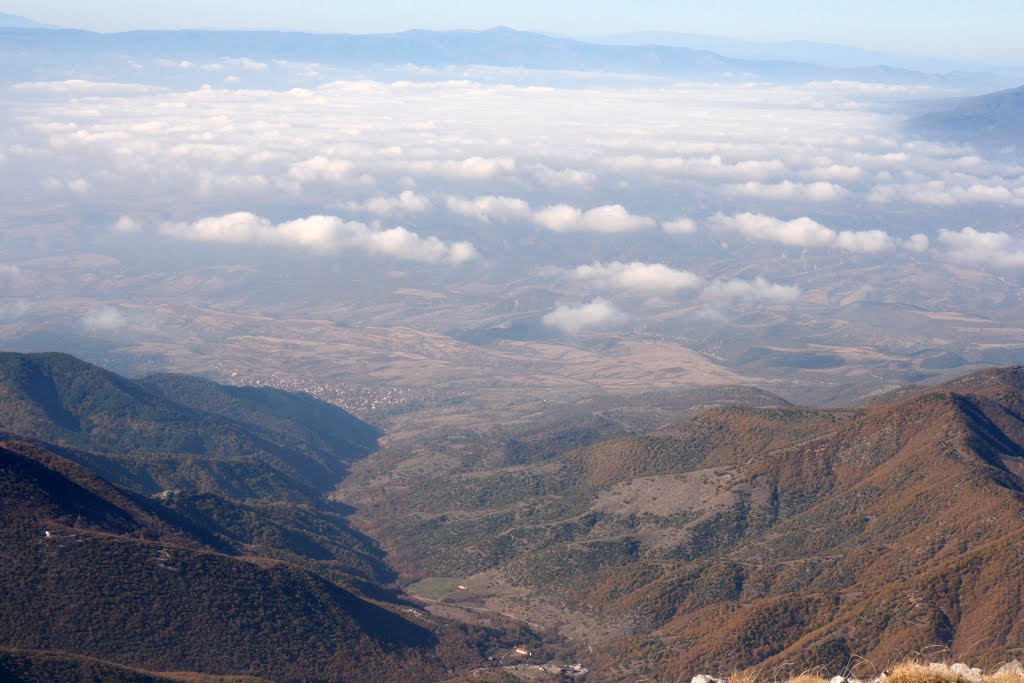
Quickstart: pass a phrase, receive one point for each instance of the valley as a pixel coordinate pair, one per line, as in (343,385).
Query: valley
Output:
(453,352)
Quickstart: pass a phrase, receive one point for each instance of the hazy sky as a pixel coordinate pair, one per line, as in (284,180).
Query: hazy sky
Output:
(979,29)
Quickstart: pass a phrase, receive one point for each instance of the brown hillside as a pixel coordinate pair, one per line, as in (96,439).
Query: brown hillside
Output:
(770,536)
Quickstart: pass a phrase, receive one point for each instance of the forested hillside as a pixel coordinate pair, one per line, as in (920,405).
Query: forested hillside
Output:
(742,536)
(223,577)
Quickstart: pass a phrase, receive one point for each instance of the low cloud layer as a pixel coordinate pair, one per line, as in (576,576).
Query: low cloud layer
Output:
(758,289)
(321,233)
(599,314)
(996,249)
(807,233)
(603,219)
(104,319)
(490,208)
(651,278)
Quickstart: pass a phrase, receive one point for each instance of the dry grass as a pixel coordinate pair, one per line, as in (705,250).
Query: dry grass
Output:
(906,672)
(753,676)
(914,672)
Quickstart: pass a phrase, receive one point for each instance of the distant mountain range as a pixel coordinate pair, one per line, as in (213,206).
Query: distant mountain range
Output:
(27,52)
(14,21)
(825,54)
(994,119)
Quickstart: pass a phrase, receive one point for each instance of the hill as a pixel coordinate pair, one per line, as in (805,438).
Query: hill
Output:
(88,571)
(28,666)
(994,119)
(171,432)
(777,536)
(14,21)
(92,570)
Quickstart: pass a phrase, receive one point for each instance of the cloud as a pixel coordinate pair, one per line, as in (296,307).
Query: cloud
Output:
(604,219)
(804,232)
(83,87)
(758,289)
(598,314)
(918,243)
(638,277)
(788,190)
(13,311)
(243,63)
(952,190)
(406,202)
(321,233)
(996,249)
(567,177)
(105,319)
(835,172)
(680,226)
(126,224)
(321,169)
(489,208)
(471,168)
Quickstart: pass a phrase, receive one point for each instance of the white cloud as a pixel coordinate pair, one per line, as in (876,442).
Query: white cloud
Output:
(638,277)
(604,219)
(598,314)
(680,226)
(803,232)
(472,168)
(243,63)
(918,243)
(950,191)
(790,191)
(172,64)
(406,202)
(997,249)
(758,289)
(83,87)
(13,311)
(105,319)
(321,169)
(834,172)
(490,208)
(321,233)
(567,177)
(126,224)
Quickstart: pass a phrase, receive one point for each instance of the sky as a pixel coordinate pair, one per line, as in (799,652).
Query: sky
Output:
(979,30)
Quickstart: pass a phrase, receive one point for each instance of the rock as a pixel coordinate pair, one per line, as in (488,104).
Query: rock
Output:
(844,679)
(704,678)
(967,673)
(1014,668)
(958,671)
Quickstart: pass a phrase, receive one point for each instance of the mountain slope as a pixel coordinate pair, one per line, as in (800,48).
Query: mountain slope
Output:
(14,21)
(89,570)
(776,536)
(248,445)
(314,426)
(29,666)
(997,118)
